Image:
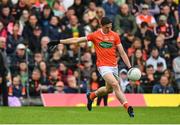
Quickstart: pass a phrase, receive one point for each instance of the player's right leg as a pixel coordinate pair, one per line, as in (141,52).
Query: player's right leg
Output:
(111,80)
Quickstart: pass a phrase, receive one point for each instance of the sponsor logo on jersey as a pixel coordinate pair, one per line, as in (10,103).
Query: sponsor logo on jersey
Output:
(105,44)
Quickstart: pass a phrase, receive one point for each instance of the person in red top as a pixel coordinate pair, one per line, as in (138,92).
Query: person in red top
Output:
(105,41)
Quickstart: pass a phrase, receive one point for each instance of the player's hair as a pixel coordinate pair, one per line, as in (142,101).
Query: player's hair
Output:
(105,21)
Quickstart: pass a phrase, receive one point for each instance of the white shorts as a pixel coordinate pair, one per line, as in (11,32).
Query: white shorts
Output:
(108,69)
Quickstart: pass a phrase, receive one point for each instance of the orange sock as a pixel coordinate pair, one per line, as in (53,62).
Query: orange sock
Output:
(125,105)
(92,95)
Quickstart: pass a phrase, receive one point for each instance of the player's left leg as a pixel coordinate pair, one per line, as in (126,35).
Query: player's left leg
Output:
(99,92)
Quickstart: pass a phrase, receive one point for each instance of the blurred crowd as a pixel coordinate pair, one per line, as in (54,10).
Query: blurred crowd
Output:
(149,32)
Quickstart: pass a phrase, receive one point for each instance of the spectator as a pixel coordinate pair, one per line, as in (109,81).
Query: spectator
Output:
(162,46)
(19,56)
(147,46)
(176,68)
(133,7)
(44,72)
(153,7)
(74,29)
(38,57)
(159,72)
(35,9)
(76,73)
(147,80)
(143,32)
(43,3)
(128,41)
(133,87)
(174,47)
(54,77)
(62,49)
(79,8)
(163,28)
(123,79)
(163,49)
(46,15)
(3,70)
(16,89)
(100,12)
(64,72)
(35,39)
(29,26)
(54,32)
(138,60)
(173,9)
(59,87)
(92,26)
(137,44)
(163,87)
(35,83)
(13,39)
(23,19)
(169,75)
(87,66)
(5,16)
(178,44)
(66,19)
(167,12)
(3,31)
(44,41)
(144,16)
(125,22)
(71,85)
(55,59)
(5,3)
(91,11)
(111,9)
(23,73)
(20,7)
(58,9)
(97,2)
(155,58)
(94,81)
(85,19)
(0,84)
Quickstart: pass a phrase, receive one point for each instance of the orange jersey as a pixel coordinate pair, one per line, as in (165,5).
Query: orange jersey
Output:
(105,47)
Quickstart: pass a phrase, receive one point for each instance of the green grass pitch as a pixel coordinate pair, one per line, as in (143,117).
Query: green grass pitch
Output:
(79,115)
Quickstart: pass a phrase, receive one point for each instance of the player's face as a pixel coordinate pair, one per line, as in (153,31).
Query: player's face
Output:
(107,28)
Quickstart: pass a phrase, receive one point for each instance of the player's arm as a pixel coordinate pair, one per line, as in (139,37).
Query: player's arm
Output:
(73,40)
(124,55)
(53,44)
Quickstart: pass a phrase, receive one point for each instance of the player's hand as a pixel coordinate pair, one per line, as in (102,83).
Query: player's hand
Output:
(52,45)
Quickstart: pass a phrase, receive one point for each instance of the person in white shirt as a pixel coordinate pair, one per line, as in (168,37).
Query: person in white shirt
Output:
(123,79)
(154,59)
(144,16)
